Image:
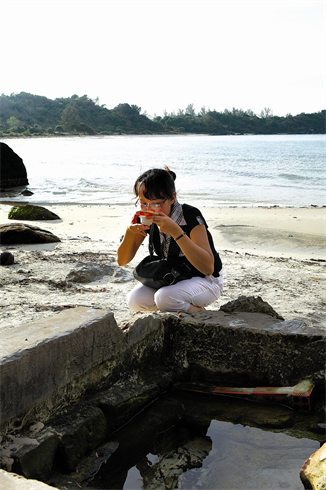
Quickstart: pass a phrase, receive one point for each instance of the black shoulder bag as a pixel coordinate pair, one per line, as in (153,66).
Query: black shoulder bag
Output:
(157,273)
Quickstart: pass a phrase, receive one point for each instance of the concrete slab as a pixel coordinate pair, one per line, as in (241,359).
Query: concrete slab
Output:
(245,348)
(11,481)
(40,358)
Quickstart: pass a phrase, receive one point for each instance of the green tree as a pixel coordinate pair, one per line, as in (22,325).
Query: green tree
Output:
(69,118)
(190,110)
(13,122)
(266,113)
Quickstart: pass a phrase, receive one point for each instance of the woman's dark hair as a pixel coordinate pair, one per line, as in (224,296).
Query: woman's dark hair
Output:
(158,184)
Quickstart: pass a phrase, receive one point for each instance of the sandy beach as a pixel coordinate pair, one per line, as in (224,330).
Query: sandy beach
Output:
(275,253)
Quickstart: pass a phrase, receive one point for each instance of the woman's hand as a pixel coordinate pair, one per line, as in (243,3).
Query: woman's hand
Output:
(133,238)
(167,225)
(138,228)
(196,247)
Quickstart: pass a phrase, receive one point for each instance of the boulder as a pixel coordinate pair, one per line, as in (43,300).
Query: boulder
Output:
(251,304)
(12,169)
(85,272)
(17,233)
(29,212)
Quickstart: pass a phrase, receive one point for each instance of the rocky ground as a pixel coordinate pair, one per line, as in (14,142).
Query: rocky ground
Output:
(45,279)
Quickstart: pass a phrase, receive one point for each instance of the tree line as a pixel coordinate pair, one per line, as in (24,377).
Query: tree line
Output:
(25,114)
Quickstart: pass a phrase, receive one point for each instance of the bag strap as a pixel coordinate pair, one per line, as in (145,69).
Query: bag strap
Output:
(150,243)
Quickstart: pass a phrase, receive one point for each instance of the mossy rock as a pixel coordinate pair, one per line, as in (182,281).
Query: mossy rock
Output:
(29,212)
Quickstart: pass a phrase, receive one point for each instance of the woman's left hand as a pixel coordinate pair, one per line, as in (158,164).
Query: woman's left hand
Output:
(166,224)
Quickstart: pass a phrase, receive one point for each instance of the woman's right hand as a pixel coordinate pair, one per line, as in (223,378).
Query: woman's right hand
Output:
(138,228)
(133,238)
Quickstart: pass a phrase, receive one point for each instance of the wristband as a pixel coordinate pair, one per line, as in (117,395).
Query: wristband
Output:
(180,236)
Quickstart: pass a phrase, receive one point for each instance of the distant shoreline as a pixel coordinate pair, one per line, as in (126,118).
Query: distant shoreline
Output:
(80,135)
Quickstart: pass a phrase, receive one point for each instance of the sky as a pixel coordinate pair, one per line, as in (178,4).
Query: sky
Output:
(164,55)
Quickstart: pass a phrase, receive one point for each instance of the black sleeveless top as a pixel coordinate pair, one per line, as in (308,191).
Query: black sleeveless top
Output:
(187,220)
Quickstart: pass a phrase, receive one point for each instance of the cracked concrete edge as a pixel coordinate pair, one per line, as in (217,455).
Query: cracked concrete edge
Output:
(12,481)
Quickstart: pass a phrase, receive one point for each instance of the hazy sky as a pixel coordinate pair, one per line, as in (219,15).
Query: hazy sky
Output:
(164,55)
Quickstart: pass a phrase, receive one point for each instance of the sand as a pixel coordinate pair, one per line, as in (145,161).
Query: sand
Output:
(275,253)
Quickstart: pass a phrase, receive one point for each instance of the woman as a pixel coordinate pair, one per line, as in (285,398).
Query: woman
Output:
(181,231)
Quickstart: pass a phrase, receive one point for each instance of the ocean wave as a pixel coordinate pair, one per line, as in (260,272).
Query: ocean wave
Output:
(294,177)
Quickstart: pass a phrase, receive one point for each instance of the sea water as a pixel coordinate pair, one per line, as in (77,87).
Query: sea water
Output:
(242,170)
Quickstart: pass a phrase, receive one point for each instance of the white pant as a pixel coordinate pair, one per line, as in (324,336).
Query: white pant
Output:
(197,291)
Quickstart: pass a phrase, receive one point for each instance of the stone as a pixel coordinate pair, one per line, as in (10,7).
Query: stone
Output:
(29,212)
(18,233)
(85,272)
(250,304)
(81,430)
(35,460)
(6,258)
(313,471)
(124,400)
(12,169)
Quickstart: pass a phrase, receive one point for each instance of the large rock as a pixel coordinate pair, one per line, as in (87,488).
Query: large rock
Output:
(251,304)
(85,272)
(12,169)
(29,212)
(17,233)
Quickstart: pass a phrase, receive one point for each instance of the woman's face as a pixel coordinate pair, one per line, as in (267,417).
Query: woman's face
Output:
(158,205)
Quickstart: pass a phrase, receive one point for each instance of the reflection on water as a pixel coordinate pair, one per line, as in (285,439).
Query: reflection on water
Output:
(249,458)
(198,443)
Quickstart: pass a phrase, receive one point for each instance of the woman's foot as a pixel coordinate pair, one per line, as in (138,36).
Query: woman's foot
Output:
(195,308)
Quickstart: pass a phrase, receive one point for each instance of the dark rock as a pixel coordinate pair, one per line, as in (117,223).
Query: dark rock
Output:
(27,193)
(18,233)
(89,466)
(81,431)
(12,169)
(85,272)
(6,258)
(251,304)
(35,460)
(124,400)
(29,212)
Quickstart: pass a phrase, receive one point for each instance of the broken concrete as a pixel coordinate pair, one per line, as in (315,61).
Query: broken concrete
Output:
(249,348)
(81,358)
(313,471)
(12,481)
(47,365)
